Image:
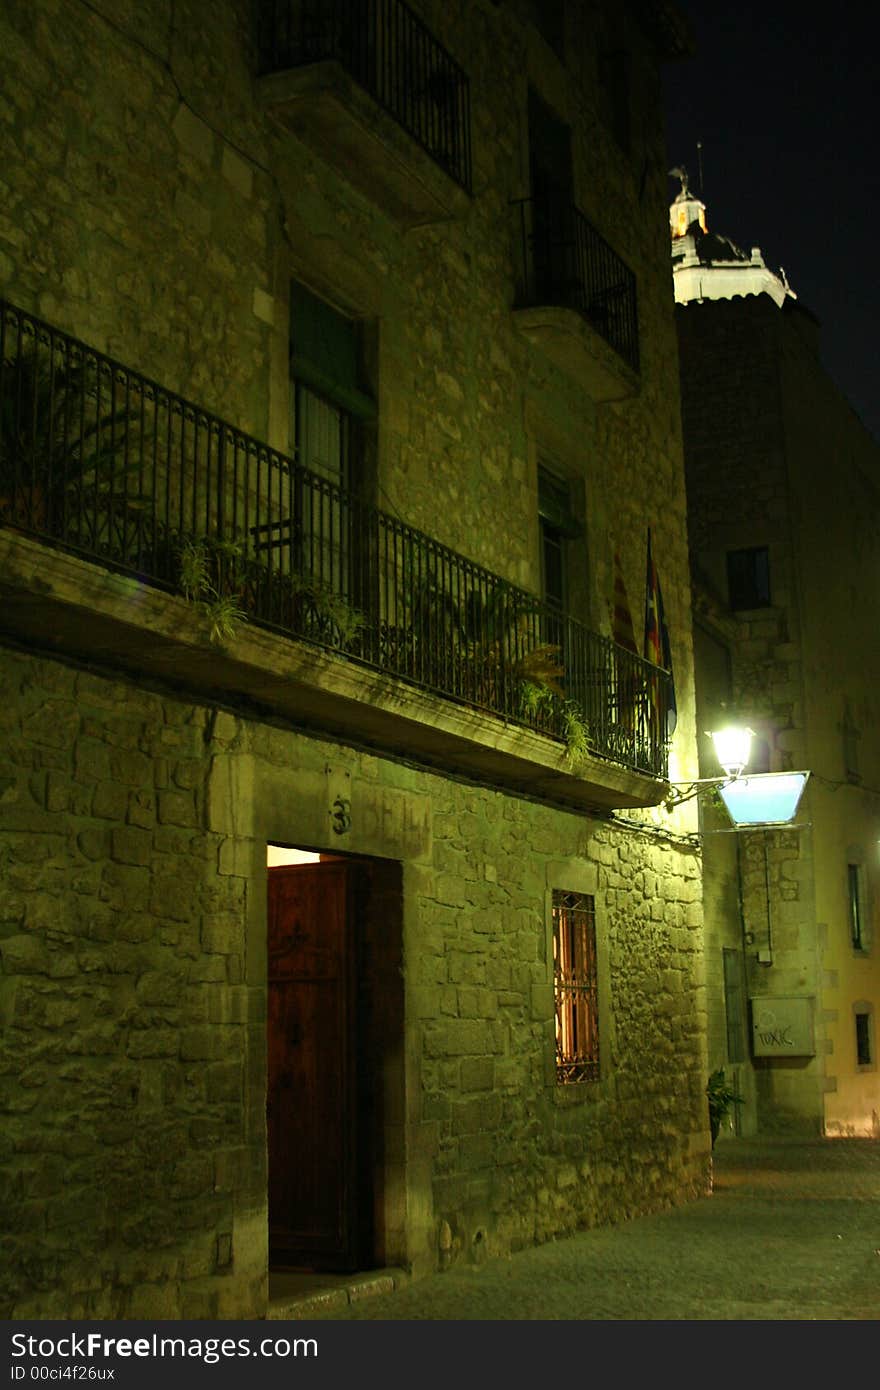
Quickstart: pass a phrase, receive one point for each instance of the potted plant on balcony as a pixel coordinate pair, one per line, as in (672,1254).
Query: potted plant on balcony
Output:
(211,577)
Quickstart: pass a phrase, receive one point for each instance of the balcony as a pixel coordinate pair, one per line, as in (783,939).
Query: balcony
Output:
(367,86)
(576,299)
(142,532)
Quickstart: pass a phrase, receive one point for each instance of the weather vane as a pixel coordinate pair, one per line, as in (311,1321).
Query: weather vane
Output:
(679,172)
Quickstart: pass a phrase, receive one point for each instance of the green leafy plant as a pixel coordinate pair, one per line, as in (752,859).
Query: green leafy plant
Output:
(721,1096)
(576,730)
(211,577)
(324,614)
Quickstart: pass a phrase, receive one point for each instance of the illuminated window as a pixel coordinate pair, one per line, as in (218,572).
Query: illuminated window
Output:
(854,884)
(748,578)
(576,987)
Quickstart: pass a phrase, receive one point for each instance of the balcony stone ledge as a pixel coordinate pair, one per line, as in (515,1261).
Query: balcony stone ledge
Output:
(58,604)
(322,105)
(568,339)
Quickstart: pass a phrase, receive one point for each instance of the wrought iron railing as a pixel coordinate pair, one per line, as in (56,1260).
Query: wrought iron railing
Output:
(563,260)
(391,53)
(103,462)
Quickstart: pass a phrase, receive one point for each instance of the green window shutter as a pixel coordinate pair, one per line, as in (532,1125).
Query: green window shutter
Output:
(554,505)
(324,352)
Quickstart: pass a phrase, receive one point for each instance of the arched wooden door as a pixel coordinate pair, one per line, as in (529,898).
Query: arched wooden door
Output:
(312,1028)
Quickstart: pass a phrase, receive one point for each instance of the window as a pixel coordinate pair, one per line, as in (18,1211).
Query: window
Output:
(733,1004)
(748,578)
(327,399)
(854,886)
(614,84)
(328,408)
(554,515)
(548,17)
(850,735)
(576,987)
(553,254)
(864,1040)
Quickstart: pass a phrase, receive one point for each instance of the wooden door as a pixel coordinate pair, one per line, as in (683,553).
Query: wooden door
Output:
(311,1097)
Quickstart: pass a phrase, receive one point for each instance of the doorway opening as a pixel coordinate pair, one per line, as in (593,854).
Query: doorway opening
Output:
(334,1037)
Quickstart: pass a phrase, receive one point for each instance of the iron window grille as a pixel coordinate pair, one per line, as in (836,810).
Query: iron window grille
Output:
(576,987)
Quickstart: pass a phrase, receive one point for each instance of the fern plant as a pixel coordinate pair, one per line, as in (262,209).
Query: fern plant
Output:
(721,1096)
(211,578)
(576,730)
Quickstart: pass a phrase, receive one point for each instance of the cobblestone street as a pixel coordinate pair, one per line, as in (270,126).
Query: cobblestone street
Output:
(791,1231)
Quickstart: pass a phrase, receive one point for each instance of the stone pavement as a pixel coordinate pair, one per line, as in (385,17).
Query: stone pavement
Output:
(790,1231)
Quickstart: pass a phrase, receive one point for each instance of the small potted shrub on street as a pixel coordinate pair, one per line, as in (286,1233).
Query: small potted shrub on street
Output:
(722,1096)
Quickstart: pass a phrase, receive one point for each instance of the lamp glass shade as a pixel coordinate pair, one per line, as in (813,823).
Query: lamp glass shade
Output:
(769,798)
(732,748)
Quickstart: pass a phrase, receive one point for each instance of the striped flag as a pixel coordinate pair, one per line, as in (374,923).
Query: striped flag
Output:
(622,629)
(657,648)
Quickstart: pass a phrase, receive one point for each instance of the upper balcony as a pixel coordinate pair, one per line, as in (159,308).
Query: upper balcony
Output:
(576,299)
(140,531)
(367,85)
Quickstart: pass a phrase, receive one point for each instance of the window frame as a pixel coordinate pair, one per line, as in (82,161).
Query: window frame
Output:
(856,906)
(743,598)
(577,1021)
(863,1014)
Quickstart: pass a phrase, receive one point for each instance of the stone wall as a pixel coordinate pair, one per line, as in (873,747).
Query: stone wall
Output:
(158,212)
(155,210)
(133,995)
(776,457)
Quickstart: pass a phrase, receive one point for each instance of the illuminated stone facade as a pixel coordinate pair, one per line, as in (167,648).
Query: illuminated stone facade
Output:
(783,504)
(159,208)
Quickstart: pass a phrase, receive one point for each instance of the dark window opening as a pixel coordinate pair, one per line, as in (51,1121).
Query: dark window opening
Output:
(733,1004)
(548,17)
(576,987)
(614,83)
(748,578)
(863,1040)
(854,884)
(554,512)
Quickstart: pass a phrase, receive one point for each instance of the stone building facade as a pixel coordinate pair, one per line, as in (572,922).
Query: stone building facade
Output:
(288,856)
(783,506)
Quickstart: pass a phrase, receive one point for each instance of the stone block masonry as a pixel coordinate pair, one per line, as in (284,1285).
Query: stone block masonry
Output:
(158,211)
(132,1156)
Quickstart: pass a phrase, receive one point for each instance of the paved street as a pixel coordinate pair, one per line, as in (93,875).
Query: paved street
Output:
(791,1231)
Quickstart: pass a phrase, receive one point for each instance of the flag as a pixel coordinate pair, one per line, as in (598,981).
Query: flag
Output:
(622,629)
(627,676)
(657,648)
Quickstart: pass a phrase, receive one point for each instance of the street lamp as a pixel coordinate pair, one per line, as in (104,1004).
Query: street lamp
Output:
(732,748)
(733,745)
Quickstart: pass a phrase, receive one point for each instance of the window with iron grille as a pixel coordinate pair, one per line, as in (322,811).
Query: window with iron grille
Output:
(576,987)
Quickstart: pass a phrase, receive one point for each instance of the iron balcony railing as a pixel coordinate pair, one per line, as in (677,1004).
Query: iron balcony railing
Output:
(101,461)
(563,260)
(390,52)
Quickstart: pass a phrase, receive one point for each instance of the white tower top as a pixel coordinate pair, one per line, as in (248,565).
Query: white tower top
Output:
(707,266)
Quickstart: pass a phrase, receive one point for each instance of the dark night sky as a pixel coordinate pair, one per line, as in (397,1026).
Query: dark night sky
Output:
(785,108)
